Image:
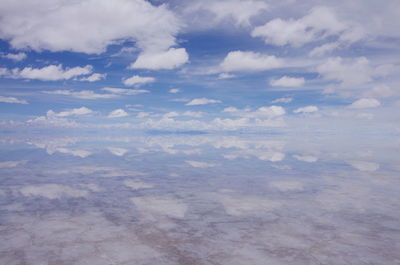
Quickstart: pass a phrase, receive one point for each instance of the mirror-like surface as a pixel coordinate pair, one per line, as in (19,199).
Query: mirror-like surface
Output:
(199,199)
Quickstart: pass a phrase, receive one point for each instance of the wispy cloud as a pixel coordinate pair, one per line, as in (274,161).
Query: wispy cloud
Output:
(12,100)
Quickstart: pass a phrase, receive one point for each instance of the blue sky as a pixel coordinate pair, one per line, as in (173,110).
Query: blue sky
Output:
(200,65)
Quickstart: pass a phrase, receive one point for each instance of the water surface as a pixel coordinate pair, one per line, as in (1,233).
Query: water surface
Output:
(155,198)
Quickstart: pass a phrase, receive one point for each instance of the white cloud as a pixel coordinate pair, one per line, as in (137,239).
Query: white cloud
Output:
(306,158)
(124,91)
(230,109)
(15,56)
(262,112)
(53,191)
(249,61)
(202,101)
(160,206)
(87,26)
(8,164)
(94,77)
(51,121)
(137,185)
(319,24)
(169,59)
(379,91)
(364,166)
(91,187)
(143,114)
(323,49)
(51,72)
(230,124)
(270,112)
(194,114)
(225,76)
(166,123)
(287,185)
(365,103)
(83,94)
(71,112)
(287,81)
(117,113)
(239,10)
(78,152)
(349,72)
(4,72)
(12,100)
(174,90)
(118,151)
(200,164)
(136,80)
(307,109)
(282,100)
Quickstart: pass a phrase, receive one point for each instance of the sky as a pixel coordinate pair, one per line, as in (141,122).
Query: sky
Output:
(233,65)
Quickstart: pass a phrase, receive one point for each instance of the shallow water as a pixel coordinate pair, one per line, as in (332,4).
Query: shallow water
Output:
(160,198)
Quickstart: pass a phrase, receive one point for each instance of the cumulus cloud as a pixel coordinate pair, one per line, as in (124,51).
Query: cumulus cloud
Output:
(77,152)
(94,77)
(364,165)
(323,49)
(51,121)
(118,151)
(352,72)
(12,100)
(287,81)
(174,90)
(306,158)
(167,123)
(194,114)
(258,121)
(71,112)
(307,109)
(365,103)
(117,113)
(200,164)
(137,185)
(230,124)
(270,112)
(137,80)
(124,91)
(249,61)
(51,72)
(262,112)
(169,59)
(282,100)
(202,101)
(54,119)
(83,94)
(320,23)
(15,56)
(240,11)
(379,91)
(87,26)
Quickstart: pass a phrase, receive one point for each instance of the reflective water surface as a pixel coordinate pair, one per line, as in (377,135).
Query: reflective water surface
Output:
(159,198)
